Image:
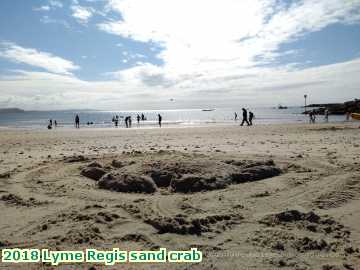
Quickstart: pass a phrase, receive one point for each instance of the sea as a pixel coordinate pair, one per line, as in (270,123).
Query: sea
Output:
(171,118)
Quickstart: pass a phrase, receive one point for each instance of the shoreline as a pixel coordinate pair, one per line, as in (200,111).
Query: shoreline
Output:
(176,126)
(183,118)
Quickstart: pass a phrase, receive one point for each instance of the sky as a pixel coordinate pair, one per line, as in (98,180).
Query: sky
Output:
(172,54)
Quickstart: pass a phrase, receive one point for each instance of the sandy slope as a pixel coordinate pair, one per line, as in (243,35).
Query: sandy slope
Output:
(306,218)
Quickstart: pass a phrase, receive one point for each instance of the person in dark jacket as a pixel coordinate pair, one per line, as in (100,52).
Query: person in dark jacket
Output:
(159,119)
(251,117)
(77,121)
(245,117)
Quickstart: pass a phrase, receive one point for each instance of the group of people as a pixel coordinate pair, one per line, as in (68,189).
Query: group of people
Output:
(142,118)
(312,116)
(115,120)
(245,118)
(51,124)
(128,120)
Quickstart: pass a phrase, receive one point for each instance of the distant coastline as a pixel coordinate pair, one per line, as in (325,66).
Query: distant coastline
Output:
(18,110)
(352,106)
(11,110)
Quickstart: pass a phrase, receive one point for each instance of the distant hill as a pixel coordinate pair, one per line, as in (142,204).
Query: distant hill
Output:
(352,106)
(11,110)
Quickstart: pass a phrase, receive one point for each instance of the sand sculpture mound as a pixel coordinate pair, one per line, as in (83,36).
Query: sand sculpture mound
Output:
(127,183)
(177,172)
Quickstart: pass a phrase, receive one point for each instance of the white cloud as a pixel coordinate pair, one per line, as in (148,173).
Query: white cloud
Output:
(215,49)
(52,4)
(42,8)
(36,58)
(223,35)
(82,14)
(136,56)
(55,3)
(213,53)
(42,90)
(47,20)
(144,87)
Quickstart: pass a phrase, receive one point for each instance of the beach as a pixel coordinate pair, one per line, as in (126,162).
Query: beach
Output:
(260,197)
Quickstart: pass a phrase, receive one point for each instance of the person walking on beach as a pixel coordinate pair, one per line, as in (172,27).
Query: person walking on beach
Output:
(77,121)
(142,117)
(251,117)
(314,117)
(159,119)
(127,121)
(245,118)
(116,121)
(236,116)
(348,116)
(326,117)
(55,123)
(138,119)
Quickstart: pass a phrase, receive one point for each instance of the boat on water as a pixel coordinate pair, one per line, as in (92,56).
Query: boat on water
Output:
(208,110)
(355,116)
(280,107)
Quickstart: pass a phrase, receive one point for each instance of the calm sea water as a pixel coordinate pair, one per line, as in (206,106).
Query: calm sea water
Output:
(171,118)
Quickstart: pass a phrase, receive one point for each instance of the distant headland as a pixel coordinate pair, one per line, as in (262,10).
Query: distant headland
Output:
(11,110)
(352,106)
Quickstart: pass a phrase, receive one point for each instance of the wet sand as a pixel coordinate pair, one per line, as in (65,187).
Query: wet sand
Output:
(260,197)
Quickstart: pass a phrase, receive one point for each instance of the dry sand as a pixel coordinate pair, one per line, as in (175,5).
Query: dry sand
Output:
(265,197)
